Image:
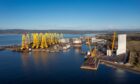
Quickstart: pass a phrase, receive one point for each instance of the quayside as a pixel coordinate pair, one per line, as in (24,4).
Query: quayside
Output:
(91,64)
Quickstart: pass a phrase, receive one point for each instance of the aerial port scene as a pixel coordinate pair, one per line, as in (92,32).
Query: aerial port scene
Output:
(69,41)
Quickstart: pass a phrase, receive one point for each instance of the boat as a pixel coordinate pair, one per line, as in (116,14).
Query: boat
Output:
(64,40)
(77,42)
(67,46)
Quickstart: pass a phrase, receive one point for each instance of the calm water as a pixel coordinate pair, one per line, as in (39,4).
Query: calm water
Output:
(10,39)
(16,38)
(52,68)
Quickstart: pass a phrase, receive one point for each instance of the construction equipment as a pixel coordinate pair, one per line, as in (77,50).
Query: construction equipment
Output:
(40,40)
(35,40)
(93,52)
(43,42)
(113,41)
(91,62)
(25,41)
(89,43)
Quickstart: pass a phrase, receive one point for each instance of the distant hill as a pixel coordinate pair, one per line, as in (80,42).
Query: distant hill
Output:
(20,31)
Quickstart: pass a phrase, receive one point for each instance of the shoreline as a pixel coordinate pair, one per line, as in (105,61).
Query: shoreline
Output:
(124,67)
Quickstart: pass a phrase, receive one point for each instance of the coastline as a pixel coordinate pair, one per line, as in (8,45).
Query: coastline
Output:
(121,66)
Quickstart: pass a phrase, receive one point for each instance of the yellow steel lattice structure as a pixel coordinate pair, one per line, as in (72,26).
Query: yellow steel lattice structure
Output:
(44,40)
(25,41)
(113,40)
(93,53)
(35,40)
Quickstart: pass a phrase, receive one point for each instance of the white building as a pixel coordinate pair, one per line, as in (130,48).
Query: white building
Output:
(94,40)
(77,41)
(64,40)
(109,52)
(121,44)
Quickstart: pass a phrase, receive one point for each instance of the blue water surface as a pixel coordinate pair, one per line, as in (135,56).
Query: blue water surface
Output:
(57,68)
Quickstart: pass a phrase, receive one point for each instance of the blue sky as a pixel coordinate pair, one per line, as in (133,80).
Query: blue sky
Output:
(70,14)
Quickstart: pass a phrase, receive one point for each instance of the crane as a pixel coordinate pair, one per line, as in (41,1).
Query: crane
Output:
(25,41)
(113,40)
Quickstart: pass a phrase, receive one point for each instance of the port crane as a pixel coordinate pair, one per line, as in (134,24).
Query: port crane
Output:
(91,62)
(40,40)
(113,41)
(25,41)
(92,51)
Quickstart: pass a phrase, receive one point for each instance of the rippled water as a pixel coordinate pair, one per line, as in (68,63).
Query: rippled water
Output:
(62,67)
(10,39)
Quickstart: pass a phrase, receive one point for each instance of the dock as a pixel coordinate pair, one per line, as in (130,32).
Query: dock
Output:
(91,64)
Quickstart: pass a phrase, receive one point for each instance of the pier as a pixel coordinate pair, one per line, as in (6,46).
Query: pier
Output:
(91,64)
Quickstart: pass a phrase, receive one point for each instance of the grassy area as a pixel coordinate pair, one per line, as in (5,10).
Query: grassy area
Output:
(134,48)
(133,45)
